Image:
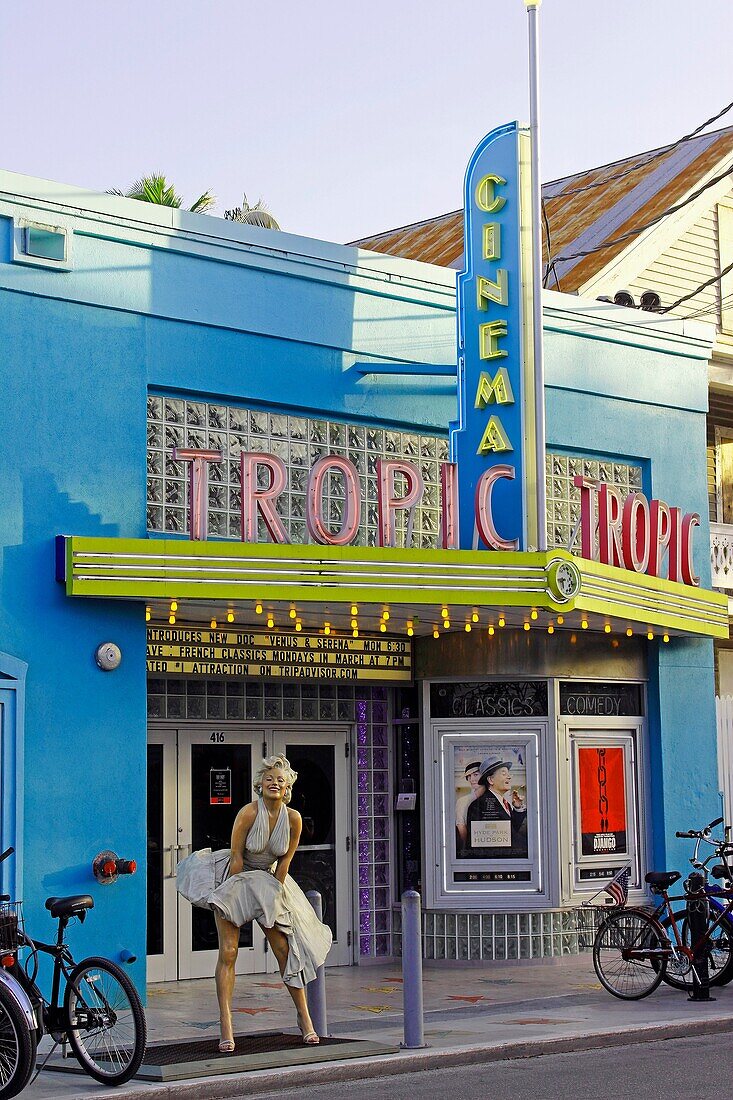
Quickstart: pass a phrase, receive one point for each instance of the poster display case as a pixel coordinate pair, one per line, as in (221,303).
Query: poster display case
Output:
(487,829)
(602,726)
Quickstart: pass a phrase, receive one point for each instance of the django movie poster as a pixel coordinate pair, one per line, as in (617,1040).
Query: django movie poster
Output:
(602,783)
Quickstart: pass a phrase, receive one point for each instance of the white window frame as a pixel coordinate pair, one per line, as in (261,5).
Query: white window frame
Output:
(21,256)
(722,435)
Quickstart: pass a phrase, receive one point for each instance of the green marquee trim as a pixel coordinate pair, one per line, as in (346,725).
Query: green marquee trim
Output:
(148,569)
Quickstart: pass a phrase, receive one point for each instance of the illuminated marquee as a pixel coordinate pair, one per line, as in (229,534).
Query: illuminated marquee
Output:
(493,442)
(636,533)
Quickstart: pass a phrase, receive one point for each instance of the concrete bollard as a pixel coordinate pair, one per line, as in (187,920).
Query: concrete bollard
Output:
(412,971)
(316,990)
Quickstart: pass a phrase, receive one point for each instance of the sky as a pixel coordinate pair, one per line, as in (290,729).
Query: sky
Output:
(345,118)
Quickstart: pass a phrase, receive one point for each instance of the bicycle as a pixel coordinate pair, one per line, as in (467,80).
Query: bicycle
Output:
(632,949)
(720,950)
(101,1015)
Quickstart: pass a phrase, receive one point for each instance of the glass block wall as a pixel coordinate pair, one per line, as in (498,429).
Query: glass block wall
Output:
(491,936)
(563,499)
(374,816)
(367,709)
(299,441)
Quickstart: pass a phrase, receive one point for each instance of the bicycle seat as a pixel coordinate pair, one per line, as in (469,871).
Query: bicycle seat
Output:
(662,879)
(69,907)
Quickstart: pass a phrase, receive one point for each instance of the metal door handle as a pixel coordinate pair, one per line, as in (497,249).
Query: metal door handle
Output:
(172,863)
(180,847)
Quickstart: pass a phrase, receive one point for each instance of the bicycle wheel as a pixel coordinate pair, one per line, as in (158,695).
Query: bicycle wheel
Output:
(720,955)
(629,978)
(17,1047)
(105,1021)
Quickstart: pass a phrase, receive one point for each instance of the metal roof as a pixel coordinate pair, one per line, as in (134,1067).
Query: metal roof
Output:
(629,193)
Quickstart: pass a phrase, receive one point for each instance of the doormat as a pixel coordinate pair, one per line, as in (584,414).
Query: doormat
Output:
(177,1061)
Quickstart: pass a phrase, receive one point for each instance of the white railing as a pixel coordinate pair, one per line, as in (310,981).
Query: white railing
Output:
(724,713)
(721,554)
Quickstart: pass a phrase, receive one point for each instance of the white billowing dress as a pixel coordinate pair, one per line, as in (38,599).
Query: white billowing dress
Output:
(255,894)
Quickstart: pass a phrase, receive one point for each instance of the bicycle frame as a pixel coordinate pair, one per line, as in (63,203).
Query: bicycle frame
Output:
(724,913)
(51,1016)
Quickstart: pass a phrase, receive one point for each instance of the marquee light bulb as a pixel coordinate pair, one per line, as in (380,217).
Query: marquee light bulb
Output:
(298,625)
(355,633)
(491,631)
(385,616)
(444,612)
(174,606)
(560,620)
(258,608)
(410,632)
(533,614)
(474,617)
(526,626)
(551,629)
(326,628)
(213,624)
(171,619)
(629,632)
(607,628)
(436,632)
(584,624)
(230,616)
(650,635)
(354,624)
(502,621)
(147,614)
(383,628)
(446,624)
(665,637)
(293,613)
(270,621)
(467,628)
(354,609)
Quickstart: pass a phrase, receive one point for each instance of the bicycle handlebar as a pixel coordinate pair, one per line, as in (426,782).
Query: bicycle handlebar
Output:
(699,834)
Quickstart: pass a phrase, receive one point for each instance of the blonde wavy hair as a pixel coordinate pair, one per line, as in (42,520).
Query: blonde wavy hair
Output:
(271,762)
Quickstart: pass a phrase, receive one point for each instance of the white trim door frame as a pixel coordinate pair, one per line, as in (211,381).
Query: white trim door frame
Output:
(208,752)
(324,858)
(162,839)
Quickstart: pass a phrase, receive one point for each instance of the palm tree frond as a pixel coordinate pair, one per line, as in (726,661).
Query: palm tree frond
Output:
(155,188)
(257,215)
(203,203)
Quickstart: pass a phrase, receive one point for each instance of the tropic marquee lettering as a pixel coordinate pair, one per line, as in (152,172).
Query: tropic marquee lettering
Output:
(264,477)
(635,533)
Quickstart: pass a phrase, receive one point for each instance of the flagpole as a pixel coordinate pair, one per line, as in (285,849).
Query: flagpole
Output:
(532,7)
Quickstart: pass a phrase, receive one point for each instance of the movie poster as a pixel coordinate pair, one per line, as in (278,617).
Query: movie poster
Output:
(490,800)
(602,783)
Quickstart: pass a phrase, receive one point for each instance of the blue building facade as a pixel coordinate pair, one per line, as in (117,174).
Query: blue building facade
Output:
(130,333)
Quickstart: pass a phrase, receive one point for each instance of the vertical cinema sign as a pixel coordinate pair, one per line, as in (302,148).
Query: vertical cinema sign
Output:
(494,439)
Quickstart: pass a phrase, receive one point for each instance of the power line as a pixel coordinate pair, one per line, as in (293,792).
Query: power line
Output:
(550,266)
(647,225)
(642,164)
(703,286)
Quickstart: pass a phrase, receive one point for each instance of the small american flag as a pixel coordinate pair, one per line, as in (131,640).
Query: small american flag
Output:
(618,887)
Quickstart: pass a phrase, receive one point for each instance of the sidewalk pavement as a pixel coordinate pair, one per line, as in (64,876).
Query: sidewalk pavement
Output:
(473,1012)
